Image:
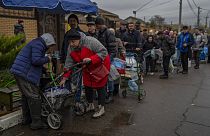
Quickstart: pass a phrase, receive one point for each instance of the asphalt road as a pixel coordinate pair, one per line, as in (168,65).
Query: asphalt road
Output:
(179,106)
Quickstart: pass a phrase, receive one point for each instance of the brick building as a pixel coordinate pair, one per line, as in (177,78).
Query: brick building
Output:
(9,17)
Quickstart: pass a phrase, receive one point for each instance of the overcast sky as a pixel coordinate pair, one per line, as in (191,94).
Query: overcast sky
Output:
(166,8)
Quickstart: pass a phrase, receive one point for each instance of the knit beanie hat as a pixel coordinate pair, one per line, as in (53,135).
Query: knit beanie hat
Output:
(99,21)
(73,34)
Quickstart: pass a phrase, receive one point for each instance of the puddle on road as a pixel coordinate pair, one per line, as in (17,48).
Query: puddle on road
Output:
(121,119)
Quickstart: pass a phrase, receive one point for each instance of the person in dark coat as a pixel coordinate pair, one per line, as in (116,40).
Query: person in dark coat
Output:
(150,62)
(73,22)
(19,29)
(131,39)
(108,40)
(120,32)
(91,30)
(168,48)
(27,70)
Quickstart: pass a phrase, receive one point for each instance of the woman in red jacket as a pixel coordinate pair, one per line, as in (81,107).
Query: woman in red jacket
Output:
(95,74)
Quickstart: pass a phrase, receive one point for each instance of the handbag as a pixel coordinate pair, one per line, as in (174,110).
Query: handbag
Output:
(99,73)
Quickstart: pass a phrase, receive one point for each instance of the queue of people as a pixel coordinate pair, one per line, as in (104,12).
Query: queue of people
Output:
(97,48)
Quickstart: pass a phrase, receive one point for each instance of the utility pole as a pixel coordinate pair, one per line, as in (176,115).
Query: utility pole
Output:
(198,21)
(180,15)
(206,25)
(134,12)
(144,19)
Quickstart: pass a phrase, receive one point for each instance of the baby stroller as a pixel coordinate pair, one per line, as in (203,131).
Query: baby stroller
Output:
(204,54)
(54,98)
(131,77)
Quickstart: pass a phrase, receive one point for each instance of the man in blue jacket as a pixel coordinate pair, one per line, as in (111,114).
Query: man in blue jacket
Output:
(27,70)
(184,43)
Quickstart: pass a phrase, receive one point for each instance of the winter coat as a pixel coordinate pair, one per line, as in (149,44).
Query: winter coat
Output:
(167,46)
(28,63)
(134,40)
(182,39)
(95,35)
(120,33)
(65,46)
(149,45)
(107,38)
(18,29)
(93,49)
(199,41)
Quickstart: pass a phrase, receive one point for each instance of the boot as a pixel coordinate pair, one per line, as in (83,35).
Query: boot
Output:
(164,76)
(100,112)
(109,98)
(196,67)
(90,107)
(26,112)
(35,110)
(184,72)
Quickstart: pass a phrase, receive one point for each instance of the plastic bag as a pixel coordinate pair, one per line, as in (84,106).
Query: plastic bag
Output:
(113,74)
(132,83)
(131,63)
(153,54)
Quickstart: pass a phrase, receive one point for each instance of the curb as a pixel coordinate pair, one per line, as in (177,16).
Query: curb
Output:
(10,120)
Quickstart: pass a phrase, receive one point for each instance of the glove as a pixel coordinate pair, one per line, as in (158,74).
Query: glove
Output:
(87,60)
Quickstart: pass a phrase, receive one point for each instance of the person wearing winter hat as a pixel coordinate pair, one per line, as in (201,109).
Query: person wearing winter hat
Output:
(87,49)
(73,22)
(27,70)
(91,29)
(108,39)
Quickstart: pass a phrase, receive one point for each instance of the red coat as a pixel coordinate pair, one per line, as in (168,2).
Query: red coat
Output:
(96,61)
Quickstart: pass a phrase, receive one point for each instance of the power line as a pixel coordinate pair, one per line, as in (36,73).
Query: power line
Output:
(144,5)
(191,8)
(160,4)
(195,3)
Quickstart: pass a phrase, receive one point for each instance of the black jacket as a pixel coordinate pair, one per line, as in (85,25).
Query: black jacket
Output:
(65,45)
(120,33)
(149,45)
(134,40)
(107,38)
(167,45)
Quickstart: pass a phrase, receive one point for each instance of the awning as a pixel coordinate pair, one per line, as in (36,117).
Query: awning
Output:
(84,6)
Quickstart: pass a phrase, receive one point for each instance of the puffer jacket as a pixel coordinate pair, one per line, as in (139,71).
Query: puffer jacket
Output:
(184,38)
(28,63)
(93,49)
(107,38)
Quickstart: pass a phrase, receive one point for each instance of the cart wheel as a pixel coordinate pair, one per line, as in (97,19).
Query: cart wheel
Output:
(124,93)
(141,94)
(54,121)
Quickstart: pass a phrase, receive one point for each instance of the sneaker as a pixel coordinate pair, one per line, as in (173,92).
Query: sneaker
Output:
(100,112)
(90,107)
(151,74)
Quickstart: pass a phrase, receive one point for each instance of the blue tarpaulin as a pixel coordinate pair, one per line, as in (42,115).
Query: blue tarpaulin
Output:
(84,6)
